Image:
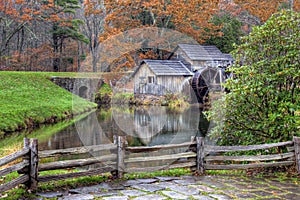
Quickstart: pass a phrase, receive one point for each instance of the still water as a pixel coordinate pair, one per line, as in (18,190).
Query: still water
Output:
(143,126)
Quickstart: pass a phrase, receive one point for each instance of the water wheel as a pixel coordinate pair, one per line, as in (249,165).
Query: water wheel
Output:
(206,80)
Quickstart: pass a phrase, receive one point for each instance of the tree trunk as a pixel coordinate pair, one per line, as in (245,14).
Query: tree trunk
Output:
(94,59)
(55,39)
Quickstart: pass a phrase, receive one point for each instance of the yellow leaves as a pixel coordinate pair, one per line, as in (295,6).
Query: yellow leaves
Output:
(93,7)
(262,9)
(51,3)
(296,6)
(280,73)
(26,17)
(189,17)
(54,18)
(65,24)
(19,1)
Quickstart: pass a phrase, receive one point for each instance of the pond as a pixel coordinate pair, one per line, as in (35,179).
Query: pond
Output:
(142,126)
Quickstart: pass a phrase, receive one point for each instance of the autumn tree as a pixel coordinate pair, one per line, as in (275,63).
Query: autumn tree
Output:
(28,28)
(257,12)
(93,15)
(14,16)
(261,10)
(60,13)
(191,17)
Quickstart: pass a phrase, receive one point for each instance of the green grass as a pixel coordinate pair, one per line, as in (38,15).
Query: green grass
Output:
(171,172)
(28,98)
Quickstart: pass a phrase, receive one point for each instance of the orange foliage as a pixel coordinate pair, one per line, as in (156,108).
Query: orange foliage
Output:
(151,54)
(296,6)
(190,17)
(262,9)
(39,59)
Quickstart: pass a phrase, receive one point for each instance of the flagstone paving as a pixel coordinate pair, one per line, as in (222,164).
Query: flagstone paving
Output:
(186,187)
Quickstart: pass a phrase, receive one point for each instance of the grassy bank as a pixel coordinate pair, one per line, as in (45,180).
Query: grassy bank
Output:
(28,99)
(14,142)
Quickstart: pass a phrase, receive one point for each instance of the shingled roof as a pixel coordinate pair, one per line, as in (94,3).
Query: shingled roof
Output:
(201,52)
(168,67)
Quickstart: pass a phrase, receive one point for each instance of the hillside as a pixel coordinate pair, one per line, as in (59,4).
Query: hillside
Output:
(28,99)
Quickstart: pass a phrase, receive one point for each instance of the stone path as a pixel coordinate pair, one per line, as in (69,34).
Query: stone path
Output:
(186,187)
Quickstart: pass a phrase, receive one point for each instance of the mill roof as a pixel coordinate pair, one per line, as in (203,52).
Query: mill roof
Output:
(202,52)
(168,67)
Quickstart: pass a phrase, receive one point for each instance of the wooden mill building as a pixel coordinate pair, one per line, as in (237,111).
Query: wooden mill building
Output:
(199,56)
(199,67)
(159,77)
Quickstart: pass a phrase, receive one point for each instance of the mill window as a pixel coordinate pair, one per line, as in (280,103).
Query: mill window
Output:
(150,79)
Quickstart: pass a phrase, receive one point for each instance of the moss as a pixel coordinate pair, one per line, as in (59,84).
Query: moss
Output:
(105,89)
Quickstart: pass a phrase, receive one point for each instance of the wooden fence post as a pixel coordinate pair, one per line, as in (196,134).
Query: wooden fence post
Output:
(121,142)
(296,141)
(26,143)
(26,157)
(33,167)
(193,138)
(200,155)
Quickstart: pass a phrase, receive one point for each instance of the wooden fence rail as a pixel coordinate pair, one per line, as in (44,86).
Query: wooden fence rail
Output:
(118,159)
(29,162)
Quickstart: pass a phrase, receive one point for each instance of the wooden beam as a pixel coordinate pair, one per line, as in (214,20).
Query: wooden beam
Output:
(7,159)
(75,163)
(121,143)
(159,158)
(20,180)
(14,168)
(33,164)
(200,155)
(93,172)
(216,149)
(296,141)
(76,150)
(290,149)
(250,158)
(158,147)
(163,167)
(248,166)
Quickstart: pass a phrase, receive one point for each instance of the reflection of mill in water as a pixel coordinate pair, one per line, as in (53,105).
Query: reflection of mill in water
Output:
(157,125)
(148,123)
(143,123)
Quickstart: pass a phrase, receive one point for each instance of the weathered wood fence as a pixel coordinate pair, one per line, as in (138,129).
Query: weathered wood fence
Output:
(118,158)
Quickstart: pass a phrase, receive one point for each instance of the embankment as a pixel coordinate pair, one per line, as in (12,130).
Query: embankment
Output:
(28,99)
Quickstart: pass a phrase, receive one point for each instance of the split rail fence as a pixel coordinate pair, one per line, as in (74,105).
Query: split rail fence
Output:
(118,158)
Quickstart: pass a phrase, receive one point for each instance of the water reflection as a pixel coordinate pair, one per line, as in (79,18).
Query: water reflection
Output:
(152,125)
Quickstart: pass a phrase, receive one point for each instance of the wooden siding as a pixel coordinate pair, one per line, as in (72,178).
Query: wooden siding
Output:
(172,84)
(161,84)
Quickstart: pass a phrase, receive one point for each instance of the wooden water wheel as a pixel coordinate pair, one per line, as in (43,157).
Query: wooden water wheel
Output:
(206,80)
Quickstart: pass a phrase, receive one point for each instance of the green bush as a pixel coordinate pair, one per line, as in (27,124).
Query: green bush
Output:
(105,89)
(263,104)
(175,102)
(123,98)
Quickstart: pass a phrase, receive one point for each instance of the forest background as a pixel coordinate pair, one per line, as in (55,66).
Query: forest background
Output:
(66,35)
